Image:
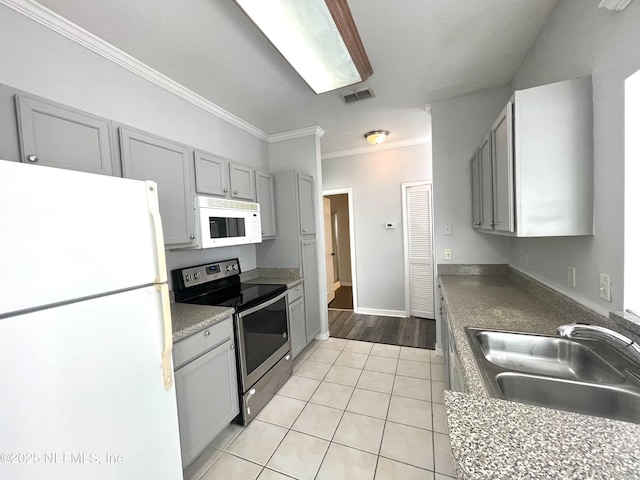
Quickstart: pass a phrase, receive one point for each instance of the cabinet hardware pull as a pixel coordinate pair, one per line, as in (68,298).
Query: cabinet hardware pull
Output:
(192,237)
(207,333)
(288,357)
(226,190)
(232,347)
(235,192)
(32,158)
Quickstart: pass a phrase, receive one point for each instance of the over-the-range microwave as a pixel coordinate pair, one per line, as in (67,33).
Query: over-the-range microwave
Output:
(221,222)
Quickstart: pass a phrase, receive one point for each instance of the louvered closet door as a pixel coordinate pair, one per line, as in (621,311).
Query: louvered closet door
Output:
(420,251)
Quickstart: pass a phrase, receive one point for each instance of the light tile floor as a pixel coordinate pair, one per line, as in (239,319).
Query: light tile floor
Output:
(352,410)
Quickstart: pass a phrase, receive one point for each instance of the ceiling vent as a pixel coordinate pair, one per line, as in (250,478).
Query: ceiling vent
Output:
(358,95)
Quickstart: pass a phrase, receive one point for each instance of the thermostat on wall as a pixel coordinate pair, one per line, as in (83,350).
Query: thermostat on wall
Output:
(389,225)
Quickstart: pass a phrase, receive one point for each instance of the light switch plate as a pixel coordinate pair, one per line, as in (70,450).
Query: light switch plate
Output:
(448,229)
(571,276)
(605,286)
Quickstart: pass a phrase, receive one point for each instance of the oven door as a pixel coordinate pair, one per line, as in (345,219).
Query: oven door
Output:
(263,338)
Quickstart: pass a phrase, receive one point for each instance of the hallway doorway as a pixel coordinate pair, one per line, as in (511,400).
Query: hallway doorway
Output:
(339,255)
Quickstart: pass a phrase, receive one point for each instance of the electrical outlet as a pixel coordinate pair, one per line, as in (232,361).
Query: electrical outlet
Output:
(571,276)
(525,259)
(605,286)
(448,254)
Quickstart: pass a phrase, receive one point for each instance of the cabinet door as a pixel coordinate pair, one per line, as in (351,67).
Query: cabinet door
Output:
(57,136)
(476,190)
(265,197)
(297,328)
(502,154)
(207,395)
(486,185)
(211,174)
(305,199)
(145,157)
(311,288)
(242,182)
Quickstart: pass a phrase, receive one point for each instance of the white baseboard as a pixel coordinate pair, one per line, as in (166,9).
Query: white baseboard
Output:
(346,284)
(322,336)
(385,313)
(337,285)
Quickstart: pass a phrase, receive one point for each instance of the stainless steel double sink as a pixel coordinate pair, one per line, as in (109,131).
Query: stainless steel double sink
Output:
(587,376)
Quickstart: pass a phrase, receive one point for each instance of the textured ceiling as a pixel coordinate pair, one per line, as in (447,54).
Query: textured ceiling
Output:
(421,51)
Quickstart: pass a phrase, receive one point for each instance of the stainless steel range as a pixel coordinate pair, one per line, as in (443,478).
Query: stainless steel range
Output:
(261,326)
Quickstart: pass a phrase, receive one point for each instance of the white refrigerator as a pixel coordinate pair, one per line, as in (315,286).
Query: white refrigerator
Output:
(86,380)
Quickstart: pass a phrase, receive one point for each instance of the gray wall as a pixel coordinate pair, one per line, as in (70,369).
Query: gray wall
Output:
(580,39)
(44,63)
(458,127)
(376,180)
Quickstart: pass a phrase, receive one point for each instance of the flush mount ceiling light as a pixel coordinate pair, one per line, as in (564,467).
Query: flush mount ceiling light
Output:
(317,37)
(615,5)
(376,136)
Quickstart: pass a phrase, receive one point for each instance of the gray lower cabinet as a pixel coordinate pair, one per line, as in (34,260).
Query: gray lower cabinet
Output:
(147,157)
(206,389)
(311,290)
(454,369)
(54,135)
(297,326)
(265,197)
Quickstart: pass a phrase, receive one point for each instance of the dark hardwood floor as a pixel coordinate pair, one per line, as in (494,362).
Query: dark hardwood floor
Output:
(343,300)
(408,332)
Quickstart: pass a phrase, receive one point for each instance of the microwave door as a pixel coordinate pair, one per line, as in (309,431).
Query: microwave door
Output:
(226,227)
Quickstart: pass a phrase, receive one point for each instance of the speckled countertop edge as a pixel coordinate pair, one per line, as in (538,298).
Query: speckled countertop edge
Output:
(290,277)
(188,319)
(499,302)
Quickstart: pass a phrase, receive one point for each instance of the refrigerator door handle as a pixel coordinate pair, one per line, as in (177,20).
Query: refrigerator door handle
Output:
(154,211)
(167,370)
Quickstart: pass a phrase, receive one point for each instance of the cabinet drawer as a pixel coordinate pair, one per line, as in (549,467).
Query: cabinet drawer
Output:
(201,342)
(294,293)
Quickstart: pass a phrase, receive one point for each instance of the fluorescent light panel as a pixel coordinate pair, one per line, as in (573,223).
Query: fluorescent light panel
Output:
(307,37)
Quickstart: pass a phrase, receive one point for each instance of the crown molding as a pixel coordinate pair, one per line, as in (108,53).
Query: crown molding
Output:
(73,32)
(376,148)
(302,132)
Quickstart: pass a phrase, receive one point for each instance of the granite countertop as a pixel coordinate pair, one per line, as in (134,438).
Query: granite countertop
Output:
(188,319)
(495,439)
(290,277)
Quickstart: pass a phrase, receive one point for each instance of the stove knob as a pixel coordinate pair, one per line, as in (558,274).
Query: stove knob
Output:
(228,268)
(235,267)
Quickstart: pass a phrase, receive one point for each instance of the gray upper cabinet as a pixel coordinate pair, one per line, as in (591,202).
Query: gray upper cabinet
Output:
(502,164)
(146,157)
(58,136)
(486,185)
(476,189)
(242,182)
(265,197)
(305,196)
(211,174)
(541,170)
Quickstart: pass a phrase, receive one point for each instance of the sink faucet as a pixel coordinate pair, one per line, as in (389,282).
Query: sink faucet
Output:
(583,330)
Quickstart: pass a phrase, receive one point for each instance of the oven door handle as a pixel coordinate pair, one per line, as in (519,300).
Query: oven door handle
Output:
(262,305)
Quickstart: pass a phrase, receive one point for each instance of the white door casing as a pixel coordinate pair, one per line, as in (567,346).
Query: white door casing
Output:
(418,234)
(328,249)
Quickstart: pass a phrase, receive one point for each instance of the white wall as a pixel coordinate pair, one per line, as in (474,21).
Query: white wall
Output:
(376,180)
(37,60)
(580,39)
(458,127)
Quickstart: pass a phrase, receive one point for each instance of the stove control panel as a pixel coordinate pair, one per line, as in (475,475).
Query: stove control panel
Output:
(206,273)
